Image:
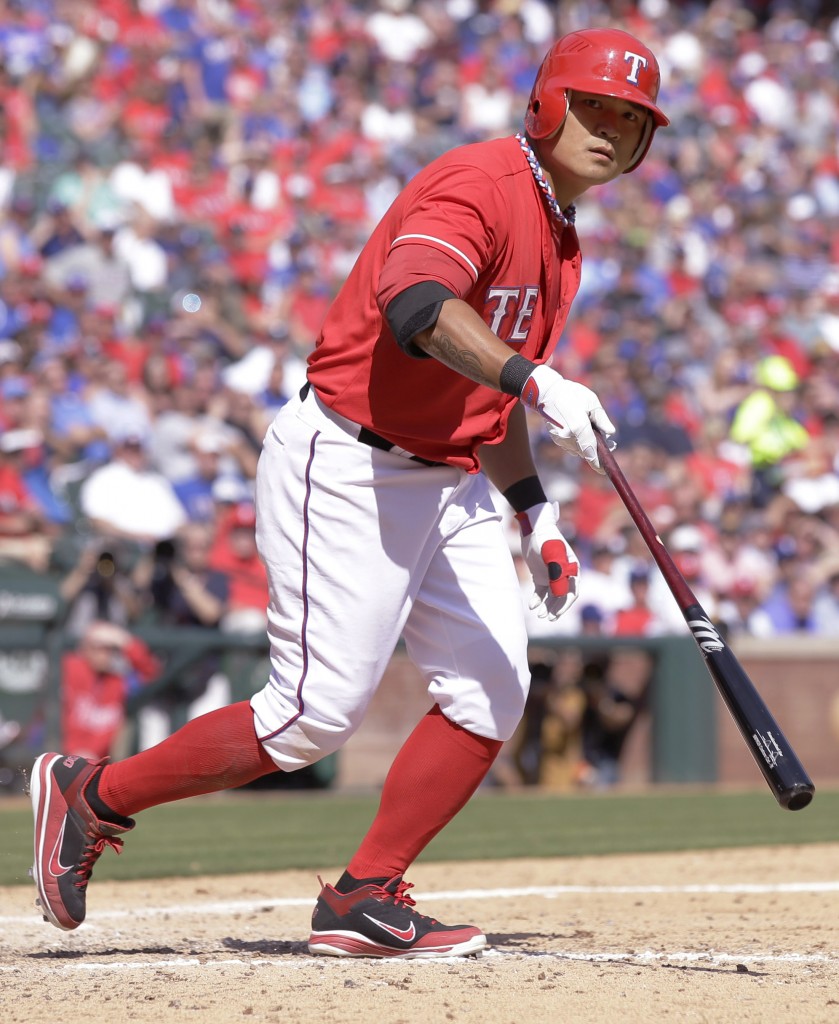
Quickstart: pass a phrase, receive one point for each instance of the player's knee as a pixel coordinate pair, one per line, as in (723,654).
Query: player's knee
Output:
(290,756)
(306,741)
(507,710)
(506,723)
(490,709)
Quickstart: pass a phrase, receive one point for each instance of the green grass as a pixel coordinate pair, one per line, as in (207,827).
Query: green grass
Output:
(240,832)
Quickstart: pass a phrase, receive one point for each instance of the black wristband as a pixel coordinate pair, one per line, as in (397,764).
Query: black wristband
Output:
(514,374)
(525,494)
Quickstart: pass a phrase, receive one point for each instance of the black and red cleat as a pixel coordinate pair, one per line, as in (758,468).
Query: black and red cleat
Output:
(69,837)
(380,921)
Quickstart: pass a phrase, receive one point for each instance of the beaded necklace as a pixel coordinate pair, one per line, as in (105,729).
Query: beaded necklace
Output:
(567,216)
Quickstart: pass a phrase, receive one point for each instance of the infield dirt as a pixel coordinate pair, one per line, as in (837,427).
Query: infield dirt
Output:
(742,935)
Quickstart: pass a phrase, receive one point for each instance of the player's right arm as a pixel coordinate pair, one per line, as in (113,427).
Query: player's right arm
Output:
(461,340)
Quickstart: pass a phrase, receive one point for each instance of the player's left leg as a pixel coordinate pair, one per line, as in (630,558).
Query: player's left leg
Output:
(466,632)
(367,913)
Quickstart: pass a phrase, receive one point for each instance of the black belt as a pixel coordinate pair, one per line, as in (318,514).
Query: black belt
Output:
(373,440)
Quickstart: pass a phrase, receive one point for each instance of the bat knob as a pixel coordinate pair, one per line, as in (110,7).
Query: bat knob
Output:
(798,796)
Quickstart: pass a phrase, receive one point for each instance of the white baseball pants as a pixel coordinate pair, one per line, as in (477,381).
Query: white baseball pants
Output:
(363,546)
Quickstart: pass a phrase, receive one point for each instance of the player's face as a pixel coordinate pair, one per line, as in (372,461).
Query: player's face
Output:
(595,144)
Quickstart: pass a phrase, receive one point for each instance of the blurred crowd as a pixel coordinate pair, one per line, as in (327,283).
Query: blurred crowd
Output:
(185,185)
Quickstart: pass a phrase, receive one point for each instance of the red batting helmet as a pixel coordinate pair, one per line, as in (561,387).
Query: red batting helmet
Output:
(604,61)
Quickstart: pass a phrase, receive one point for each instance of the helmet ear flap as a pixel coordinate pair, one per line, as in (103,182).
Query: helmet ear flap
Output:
(546,112)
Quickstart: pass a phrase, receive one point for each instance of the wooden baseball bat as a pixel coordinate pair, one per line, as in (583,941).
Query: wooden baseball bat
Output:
(784,773)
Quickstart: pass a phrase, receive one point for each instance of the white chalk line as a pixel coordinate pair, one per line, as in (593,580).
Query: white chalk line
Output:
(492,955)
(545,892)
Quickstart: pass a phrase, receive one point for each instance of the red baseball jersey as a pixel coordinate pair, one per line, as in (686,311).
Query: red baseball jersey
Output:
(475,221)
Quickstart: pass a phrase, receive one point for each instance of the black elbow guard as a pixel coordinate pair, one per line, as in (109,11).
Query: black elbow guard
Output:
(414,310)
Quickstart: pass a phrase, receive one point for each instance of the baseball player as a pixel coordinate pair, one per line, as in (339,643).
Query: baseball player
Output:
(374,515)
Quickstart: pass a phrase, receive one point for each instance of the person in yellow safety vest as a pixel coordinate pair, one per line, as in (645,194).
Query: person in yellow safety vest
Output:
(763,423)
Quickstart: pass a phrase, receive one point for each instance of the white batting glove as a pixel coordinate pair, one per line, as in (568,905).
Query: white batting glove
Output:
(553,565)
(572,411)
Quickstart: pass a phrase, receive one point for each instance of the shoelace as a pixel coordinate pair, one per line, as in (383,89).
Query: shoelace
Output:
(401,894)
(567,216)
(92,852)
(401,898)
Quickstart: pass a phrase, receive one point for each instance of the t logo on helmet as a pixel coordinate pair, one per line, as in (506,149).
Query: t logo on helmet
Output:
(638,62)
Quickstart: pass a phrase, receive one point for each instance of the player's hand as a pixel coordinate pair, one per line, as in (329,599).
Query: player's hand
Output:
(572,410)
(553,565)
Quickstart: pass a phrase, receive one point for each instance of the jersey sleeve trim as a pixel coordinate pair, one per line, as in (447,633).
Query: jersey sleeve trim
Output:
(442,242)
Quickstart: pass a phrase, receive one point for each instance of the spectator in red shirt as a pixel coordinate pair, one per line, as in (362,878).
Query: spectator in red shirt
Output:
(637,619)
(245,81)
(145,114)
(96,680)
(20,122)
(235,554)
(23,527)
(203,197)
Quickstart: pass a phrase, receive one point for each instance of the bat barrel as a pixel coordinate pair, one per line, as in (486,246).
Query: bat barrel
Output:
(777,761)
(771,750)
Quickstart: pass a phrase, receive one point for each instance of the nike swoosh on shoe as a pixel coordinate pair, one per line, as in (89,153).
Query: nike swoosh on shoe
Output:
(404,934)
(56,868)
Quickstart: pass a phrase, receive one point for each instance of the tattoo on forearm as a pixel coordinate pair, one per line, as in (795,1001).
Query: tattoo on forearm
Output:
(442,347)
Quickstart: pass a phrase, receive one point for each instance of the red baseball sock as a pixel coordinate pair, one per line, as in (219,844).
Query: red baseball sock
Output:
(433,776)
(217,751)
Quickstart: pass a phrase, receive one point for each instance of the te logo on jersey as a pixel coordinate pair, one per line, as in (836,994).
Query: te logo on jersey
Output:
(637,62)
(509,311)
(706,636)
